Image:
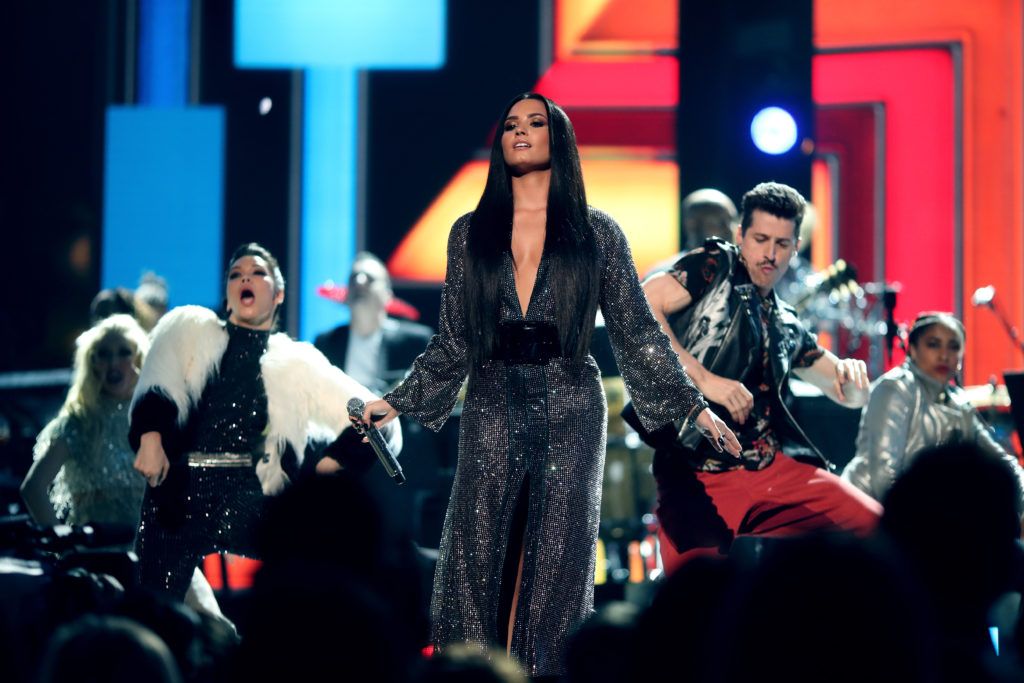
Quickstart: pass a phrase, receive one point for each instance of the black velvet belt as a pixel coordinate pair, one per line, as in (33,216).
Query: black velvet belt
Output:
(527,342)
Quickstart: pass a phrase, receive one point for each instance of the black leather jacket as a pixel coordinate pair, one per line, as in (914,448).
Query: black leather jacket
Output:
(722,330)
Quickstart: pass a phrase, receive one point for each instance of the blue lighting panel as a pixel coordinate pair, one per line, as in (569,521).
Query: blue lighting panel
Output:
(162,201)
(163,53)
(301,34)
(328,193)
(332,40)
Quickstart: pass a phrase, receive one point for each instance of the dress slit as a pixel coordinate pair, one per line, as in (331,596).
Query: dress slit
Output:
(514,545)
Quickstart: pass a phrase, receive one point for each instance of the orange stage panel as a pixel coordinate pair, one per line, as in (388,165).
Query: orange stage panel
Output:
(642,194)
(821,196)
(597,28)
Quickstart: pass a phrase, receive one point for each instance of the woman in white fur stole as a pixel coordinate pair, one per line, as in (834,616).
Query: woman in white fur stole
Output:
(223,414)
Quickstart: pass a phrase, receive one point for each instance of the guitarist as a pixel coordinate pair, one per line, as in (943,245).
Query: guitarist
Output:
(739,342)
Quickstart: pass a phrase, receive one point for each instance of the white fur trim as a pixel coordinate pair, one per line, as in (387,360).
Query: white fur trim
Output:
(187,347)
(304,390)
(307,397)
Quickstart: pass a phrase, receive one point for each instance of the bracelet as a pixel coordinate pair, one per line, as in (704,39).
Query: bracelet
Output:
(697,409)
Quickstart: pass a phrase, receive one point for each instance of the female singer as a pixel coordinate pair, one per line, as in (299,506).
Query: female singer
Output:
(526,274)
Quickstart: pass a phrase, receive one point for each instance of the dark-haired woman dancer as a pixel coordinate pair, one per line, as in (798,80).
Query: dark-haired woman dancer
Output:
(918,405)
(223,412)
(527,272)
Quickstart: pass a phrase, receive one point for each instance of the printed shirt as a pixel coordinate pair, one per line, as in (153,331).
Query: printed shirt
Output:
(698,272)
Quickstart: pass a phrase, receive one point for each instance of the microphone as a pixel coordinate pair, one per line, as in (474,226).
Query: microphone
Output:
(356,406)
(983,296)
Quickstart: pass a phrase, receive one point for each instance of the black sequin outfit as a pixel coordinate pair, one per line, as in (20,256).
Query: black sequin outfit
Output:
(222,505)
(539,425)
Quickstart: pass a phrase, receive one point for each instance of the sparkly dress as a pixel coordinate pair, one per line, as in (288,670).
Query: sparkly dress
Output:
(537,431)
(223,499)
(97,483)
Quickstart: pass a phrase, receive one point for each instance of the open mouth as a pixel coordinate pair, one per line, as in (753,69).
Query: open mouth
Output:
(521,145)
(247,297)
(115,377)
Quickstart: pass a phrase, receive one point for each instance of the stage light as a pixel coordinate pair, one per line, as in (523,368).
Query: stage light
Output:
(756,60)
(773,130)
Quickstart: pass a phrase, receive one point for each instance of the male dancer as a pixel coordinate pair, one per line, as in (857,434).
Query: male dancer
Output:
(739,342)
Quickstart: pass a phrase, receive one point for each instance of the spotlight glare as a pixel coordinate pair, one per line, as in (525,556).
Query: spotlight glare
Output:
(773,130)
(265,105)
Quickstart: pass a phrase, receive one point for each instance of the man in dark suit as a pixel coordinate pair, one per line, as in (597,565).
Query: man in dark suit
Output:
(373,348)
(377,348)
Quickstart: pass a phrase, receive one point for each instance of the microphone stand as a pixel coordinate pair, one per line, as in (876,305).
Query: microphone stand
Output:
(891,328)
(1010,329)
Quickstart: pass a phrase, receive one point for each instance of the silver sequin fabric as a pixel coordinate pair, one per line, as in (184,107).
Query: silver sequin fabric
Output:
(909,411)
(541,424)
(98,482)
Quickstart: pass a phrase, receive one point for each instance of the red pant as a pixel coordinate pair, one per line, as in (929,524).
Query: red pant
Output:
(702,512)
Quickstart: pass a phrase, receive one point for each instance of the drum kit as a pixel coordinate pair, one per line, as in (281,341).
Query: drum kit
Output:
(855,319)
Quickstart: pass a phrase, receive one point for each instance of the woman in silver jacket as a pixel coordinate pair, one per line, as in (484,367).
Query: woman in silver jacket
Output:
(915,406)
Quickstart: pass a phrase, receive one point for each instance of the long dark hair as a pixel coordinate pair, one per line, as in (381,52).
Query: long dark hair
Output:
(568,244)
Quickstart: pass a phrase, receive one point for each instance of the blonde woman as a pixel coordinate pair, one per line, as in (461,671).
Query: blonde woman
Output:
(83,463)
(83,470)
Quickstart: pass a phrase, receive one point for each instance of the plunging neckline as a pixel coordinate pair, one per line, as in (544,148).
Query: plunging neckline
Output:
(533,290)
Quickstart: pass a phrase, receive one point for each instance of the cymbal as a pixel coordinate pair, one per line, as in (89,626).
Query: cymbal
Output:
(985,396)
(881,286)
